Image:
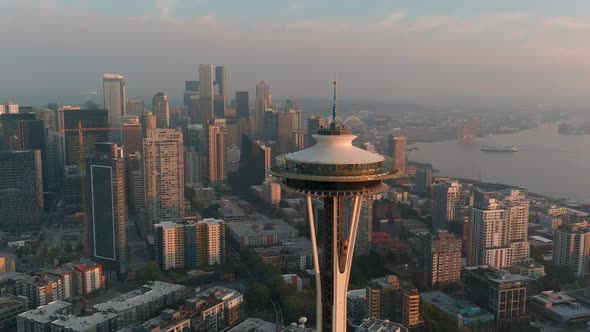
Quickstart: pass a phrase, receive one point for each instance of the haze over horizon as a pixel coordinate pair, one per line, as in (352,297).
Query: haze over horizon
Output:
(396,51)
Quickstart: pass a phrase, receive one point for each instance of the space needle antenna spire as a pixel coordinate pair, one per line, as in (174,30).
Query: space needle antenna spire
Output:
(334,103)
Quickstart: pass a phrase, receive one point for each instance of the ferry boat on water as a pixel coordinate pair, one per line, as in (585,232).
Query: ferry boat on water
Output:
(499,149)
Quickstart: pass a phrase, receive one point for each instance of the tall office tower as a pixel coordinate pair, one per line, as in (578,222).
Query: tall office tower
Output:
(441,257)
(21,189)
(9,130)
(49,118)
(255,160)
(572,247)
(448,204)
(397,150)
(290,104)
(107,206)
(297,119)
(163,176)
(242,104)
(423,182)
(31,135)
(314,123)
(191,88)
(161,109)
(285,129)
(135,190)
(365,227)
(202,107)
(233,135)
(115,100)
(391,298)
(502,294)
(232,158)
(131,134)
(192,165)
(271,191)
(135,107)
(221,92)
(54,166)
(8,108)
(72,194)
(518,221)
(270,122)
(333,169)
(298,140)
(188,244)
(216,132)
(90,119)
(148,122)
(489,232)
(262,103)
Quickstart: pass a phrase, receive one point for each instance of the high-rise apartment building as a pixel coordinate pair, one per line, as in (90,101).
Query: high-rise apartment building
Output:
(163,176)
(216,132)
(262,103)
(448,204)
(107,203)
(242,104)
(314,123)
(394,299)
(441,257)
(161,109)
(572,247)
(115,100)
(135,107)
(189,244)
(21,188)
(502,294)
(517,205)
(489,232)
(362,245)
(397,150)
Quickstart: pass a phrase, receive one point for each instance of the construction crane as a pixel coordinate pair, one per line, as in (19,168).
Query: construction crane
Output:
(82,168)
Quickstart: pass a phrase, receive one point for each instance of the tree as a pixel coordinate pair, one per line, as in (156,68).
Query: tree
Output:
(257,296)
(148,272)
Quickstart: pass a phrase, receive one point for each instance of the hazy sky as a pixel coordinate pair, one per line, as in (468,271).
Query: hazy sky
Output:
(407,51)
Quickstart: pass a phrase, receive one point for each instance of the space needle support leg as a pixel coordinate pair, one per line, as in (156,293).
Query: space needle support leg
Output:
(316,263)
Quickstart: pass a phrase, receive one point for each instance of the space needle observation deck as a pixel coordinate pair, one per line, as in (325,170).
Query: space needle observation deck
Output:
(339,173)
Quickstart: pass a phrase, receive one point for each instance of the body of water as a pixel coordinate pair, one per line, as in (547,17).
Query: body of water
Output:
(546,163)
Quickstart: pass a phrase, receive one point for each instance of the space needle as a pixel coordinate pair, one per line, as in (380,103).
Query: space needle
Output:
(335,171)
